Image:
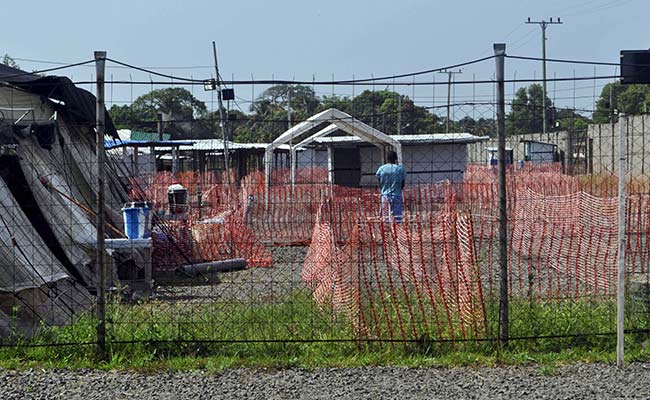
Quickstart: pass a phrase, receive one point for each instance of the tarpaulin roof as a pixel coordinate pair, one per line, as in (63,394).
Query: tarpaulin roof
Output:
(139,135)
(431,138)
(78,104)
(114,143)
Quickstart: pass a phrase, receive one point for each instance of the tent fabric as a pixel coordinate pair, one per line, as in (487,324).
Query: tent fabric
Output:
(68,167)
(25,261)
(71,225)
(78,104)
(7,134)
(45,133)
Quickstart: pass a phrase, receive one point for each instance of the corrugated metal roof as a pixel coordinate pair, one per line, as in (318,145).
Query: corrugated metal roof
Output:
(217,144)
(112,143)
(536,141)
(414,139)
(491,149)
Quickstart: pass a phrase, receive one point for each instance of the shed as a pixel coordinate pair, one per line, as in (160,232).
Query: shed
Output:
(244,158)
(127,154)
(538,152)
(493,155)
(427,158)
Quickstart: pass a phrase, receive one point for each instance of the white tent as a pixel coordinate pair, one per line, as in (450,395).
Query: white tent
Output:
(338,121)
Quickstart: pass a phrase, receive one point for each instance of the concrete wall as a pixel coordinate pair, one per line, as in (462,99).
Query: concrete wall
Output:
(596,151)
(478,153)
(605,145)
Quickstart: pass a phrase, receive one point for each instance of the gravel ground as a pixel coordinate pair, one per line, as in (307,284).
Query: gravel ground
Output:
(580,381)
(249,285)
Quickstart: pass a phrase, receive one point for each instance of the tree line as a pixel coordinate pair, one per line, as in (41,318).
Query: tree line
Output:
(272,112)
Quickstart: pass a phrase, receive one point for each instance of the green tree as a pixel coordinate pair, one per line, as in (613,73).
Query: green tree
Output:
(568,119)
(479,127)
(239,127)
(303,99)
(185,116)
(270,111)
(383,109)
(526,112)
(631,99)
(334,101)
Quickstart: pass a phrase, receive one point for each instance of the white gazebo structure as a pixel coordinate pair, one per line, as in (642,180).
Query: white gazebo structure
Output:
(338,120)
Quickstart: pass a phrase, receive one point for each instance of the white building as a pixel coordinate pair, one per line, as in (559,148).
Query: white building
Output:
(427,158)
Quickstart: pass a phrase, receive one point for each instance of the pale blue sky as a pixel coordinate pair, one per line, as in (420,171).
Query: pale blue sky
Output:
(301,39)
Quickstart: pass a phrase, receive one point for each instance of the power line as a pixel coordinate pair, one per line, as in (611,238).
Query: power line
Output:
(349,83)
(312,82)
(558,60)
(42,71)
(155,73)
(116,66)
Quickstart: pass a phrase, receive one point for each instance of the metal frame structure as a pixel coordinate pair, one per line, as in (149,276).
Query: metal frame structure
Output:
(338,120)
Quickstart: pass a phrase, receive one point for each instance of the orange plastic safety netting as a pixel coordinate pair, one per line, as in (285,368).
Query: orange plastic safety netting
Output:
(431,274)
(562,230)
(213,229)
(397,281)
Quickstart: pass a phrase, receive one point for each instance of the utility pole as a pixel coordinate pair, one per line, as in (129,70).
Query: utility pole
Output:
(449,78)
(399,114)
(499,53)
(289,107)
(100,219)
(292,154)
(620,286)
(612,122)
(221,120)
(159,126)
(543,24)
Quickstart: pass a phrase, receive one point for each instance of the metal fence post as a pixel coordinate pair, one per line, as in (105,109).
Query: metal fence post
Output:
(100,60)
(499,52)
(620,287)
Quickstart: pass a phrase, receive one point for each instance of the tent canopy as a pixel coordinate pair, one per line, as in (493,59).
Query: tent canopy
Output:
(77,103)
(338,121)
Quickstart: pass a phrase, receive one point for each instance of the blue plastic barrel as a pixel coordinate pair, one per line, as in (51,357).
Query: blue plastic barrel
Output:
(137,219)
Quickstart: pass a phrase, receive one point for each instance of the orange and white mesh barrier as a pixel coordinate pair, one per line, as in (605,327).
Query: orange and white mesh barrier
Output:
(397,281)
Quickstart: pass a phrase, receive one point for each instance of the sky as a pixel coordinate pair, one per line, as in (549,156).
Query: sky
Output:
(304,40)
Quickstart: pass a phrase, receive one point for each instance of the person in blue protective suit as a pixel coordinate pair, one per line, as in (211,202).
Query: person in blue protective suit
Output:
(391,181)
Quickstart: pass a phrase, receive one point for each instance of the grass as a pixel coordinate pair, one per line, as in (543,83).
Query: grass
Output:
(155,336)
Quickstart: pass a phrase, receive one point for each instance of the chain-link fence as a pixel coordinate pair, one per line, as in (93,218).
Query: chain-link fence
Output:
(268,224)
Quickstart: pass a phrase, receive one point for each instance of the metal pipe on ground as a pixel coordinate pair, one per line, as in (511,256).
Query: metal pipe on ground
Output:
(234,264)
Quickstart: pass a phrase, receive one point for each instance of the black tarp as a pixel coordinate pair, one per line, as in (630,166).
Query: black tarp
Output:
(78,104)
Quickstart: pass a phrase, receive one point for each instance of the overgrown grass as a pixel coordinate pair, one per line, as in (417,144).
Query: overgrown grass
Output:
(295,332)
